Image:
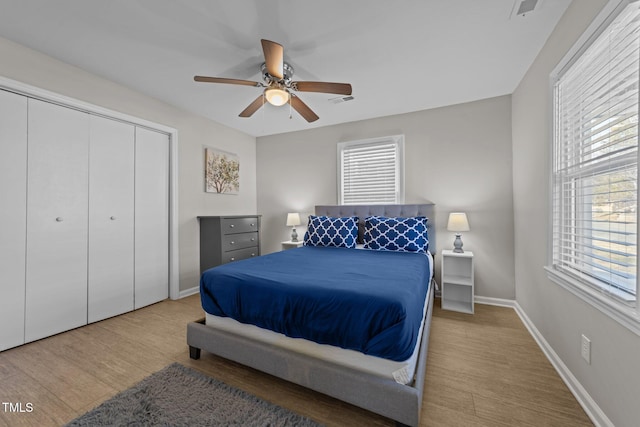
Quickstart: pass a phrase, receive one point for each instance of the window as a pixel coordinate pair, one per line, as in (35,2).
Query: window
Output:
(595,162)
(371,171)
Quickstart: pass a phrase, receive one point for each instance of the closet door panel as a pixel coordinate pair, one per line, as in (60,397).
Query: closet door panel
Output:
(151,217)
(13,217)
(57,216)
(111,204)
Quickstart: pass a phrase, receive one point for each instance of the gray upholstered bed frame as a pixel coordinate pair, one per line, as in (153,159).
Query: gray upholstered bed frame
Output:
(401,403)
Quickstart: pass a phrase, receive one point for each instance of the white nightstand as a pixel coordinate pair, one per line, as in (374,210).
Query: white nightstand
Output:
(457,281)
(290,245)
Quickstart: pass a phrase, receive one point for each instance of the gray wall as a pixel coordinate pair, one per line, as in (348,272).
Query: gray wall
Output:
(613,378)
(458,157)
(28,66)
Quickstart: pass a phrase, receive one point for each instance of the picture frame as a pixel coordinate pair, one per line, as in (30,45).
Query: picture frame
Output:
(221,171)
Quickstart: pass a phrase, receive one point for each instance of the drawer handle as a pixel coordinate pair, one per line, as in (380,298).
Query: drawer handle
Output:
(113,218)
(253,254)
(232,242)
(252,224)
(233,259)
(253,239)
(59,219)
(232,225)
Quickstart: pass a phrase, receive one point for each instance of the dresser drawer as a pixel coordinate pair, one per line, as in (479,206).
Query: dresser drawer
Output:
(239,225)
(239,254)
(232,242)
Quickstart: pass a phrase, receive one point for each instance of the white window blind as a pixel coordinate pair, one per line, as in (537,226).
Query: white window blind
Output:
(595,161)
(370,171)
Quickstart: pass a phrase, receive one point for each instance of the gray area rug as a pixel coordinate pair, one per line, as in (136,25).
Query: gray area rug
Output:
(179,396)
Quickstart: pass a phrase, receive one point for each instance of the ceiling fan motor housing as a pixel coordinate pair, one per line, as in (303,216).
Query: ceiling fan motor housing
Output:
(287,72)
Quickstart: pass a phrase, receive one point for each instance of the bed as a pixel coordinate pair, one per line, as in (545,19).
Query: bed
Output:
(381,368)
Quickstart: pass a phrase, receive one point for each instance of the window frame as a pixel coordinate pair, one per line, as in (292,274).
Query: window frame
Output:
(624,312)
(398,141)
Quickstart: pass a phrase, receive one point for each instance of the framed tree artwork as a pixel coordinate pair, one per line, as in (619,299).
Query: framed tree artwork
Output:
(222,171)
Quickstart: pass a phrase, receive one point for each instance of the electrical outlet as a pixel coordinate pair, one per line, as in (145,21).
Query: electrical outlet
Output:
(586,349)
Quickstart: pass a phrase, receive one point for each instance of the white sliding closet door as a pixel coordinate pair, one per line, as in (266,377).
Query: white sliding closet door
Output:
(13,214)
(151,217)
(111,204)
(57,215)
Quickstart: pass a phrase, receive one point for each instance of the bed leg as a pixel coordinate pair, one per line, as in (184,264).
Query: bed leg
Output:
(194,353)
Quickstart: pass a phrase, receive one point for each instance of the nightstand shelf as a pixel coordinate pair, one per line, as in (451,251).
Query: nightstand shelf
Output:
(291,245)
(457,281)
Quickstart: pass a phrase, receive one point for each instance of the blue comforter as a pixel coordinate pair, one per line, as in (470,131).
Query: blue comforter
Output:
(369,301)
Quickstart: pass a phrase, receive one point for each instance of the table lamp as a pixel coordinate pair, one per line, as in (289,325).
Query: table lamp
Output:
(458,222)
(293,219)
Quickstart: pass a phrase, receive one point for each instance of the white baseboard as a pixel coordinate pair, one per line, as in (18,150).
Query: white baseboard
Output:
(500,302)
(597,416)
(188,292)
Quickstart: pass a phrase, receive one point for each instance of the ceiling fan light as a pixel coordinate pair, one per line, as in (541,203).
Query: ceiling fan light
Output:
(276,96)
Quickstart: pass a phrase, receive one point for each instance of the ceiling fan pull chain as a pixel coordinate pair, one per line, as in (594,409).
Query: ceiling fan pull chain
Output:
(290,113)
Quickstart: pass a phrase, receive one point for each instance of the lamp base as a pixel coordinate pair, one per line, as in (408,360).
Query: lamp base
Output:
(294,235)
(457,245)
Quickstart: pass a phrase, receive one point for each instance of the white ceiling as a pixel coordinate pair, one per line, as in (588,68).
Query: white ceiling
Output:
(399,56)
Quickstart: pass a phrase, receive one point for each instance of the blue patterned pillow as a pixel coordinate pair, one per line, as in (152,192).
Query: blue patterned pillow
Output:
(396,234)
(329,231)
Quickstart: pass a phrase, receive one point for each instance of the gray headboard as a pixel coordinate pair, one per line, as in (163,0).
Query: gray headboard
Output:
(363,211)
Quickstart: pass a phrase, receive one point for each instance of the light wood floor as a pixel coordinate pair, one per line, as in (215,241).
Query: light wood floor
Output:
(483,370)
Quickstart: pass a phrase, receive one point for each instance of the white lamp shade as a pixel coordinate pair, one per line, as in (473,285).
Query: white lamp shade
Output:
(293,219)
(458,222)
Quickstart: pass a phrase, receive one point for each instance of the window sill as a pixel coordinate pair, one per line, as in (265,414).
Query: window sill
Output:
(626,315)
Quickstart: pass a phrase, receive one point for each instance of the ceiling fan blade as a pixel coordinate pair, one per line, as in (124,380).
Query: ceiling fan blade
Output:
(303,109)
(253,107)
(273,58)
(227,81)
(323,87)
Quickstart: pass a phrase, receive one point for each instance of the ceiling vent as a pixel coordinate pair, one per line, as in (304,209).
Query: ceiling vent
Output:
(340,99)
(524,7)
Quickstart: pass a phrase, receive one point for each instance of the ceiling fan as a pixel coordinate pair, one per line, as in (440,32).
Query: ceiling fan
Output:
(279,88)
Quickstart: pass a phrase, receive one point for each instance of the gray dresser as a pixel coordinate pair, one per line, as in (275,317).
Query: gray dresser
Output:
(229,238)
